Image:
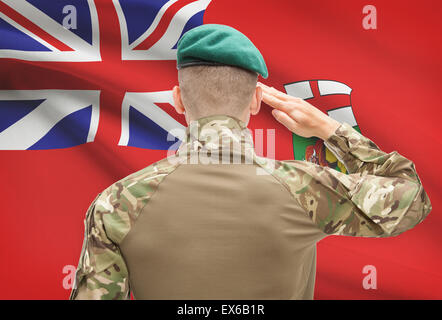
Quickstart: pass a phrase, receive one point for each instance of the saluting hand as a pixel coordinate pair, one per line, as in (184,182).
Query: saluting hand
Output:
(298,115)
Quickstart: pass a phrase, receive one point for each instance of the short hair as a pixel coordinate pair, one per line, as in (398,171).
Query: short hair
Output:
(211,90)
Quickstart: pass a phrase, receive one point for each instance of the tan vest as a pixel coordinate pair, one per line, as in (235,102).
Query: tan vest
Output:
(222,231)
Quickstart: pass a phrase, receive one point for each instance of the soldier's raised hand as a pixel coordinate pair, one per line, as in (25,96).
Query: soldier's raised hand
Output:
(298,115)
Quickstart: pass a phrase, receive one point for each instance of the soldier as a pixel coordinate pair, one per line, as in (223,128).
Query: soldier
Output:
(204,223)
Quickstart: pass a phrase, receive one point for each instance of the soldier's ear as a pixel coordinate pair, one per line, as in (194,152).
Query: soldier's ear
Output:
(255,104)
(177,102)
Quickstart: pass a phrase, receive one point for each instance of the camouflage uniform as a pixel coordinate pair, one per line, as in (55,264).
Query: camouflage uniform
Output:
(191,227)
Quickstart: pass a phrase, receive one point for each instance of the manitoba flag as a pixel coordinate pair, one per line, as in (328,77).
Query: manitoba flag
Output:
(85,100)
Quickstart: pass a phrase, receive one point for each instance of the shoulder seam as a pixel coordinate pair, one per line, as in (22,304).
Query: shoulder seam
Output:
(284,183)
(281,181)
(153,194)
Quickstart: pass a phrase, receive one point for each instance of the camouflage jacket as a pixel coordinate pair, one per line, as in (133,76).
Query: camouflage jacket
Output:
(380,196)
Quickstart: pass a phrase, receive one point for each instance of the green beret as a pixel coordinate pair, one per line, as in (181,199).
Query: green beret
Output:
(215,44)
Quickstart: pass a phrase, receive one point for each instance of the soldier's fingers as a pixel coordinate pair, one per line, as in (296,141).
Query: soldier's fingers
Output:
(262,85)
(285,120)
(272,91)
(276,103)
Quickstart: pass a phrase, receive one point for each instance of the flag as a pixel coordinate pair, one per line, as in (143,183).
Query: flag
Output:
(85,100)
(47,119)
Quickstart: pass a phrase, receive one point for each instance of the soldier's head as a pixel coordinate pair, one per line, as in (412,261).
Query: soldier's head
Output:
(211,90)
(218,69)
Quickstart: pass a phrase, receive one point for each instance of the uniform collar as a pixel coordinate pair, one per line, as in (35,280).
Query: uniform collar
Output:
(217,133)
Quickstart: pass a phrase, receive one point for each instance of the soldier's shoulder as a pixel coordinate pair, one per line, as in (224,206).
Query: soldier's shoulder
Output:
(284,170)
(139,181)
(282,167)
(297,174)
(133,191)
(120,204)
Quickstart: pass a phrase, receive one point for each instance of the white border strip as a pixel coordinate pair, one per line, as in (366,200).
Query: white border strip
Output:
(332,87)
(300,89)
(343,114)
(144,102)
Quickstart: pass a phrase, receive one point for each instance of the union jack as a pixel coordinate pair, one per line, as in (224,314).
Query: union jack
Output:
(81,65)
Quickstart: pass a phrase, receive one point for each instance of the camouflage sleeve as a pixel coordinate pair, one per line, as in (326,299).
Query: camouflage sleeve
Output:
(102,273)
(381,196)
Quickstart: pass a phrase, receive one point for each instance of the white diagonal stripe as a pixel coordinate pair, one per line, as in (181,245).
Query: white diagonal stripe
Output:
(48,24)
(154,24)
(176,27)
(144,102)
(162,49)
(58,104)
(27,32)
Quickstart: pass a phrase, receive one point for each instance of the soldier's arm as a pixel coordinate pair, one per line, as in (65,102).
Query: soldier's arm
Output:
(381,196)
(102,273)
